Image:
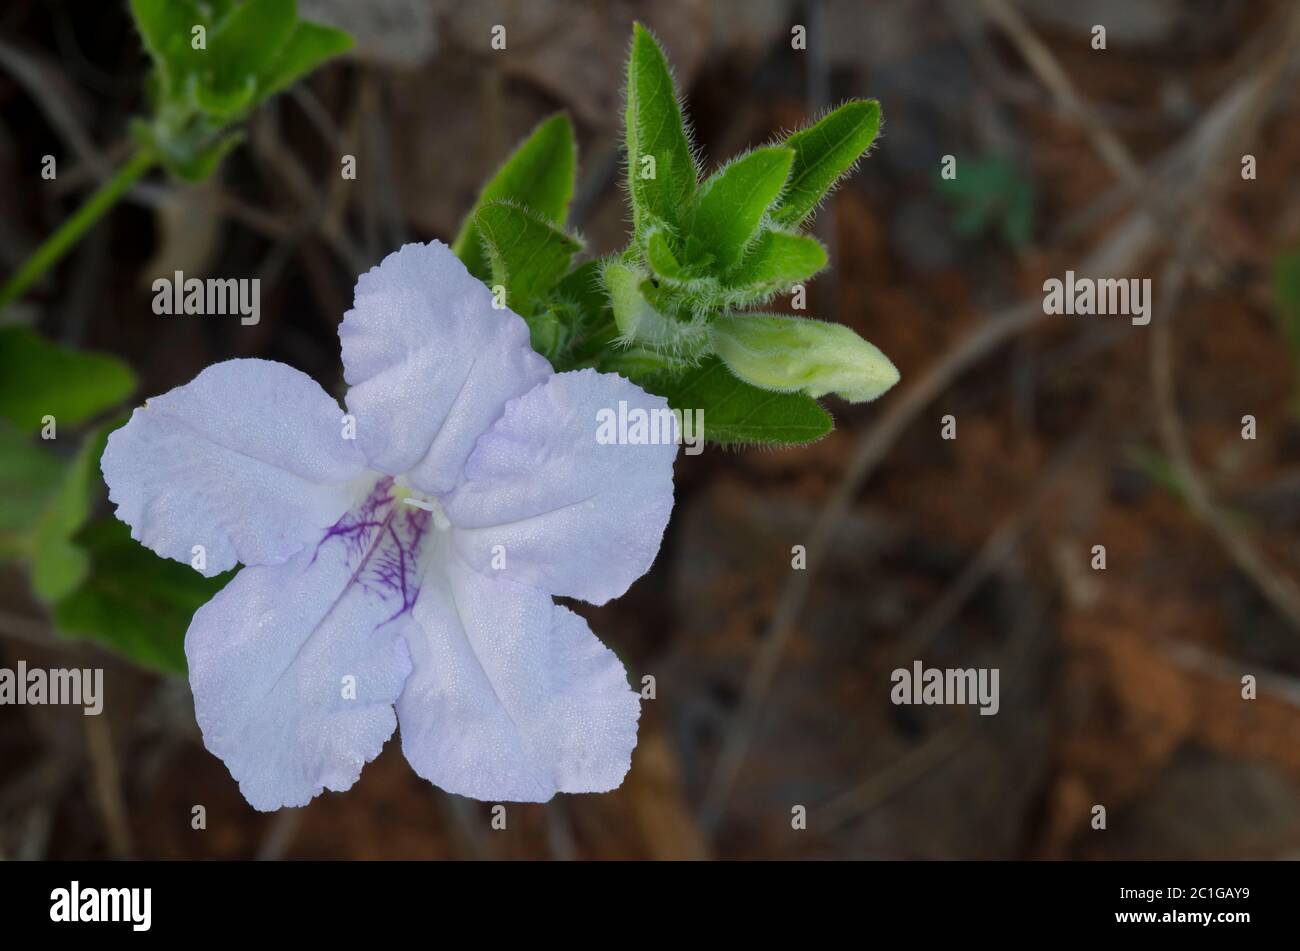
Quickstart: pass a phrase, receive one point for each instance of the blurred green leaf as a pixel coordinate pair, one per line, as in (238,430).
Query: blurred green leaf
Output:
(165,26)
(990,194)
(29,475)
(243,48)
(526,253)
(134,602)
(823,153)
(538,175)
(736,413)
(663,188)
(250,51)
(39,378)
(188,158)
(309,46)
(732,203)
(1159,468)
(1286,292)
(59,566)
(225,104)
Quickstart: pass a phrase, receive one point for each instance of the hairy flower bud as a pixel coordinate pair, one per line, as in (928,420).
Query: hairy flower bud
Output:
(789,354)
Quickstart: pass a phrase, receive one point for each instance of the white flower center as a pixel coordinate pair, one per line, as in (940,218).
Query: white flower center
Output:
(409,496)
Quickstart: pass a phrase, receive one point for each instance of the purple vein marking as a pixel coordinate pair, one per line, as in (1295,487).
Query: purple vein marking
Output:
(384,543)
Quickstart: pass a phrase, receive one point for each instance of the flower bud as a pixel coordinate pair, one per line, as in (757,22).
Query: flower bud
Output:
(790,354)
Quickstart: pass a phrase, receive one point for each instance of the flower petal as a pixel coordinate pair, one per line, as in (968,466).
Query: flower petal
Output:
(248,460)
(430,363)
(547,503)
(512,698)
(270,655)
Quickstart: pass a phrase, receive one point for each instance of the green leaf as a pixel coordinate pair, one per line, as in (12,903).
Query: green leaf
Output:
(548,333)
(539,175)
(525,252)
(1286,292)
(580,304)
(1158,468)
(38,378)
(134,602)
(199,166)
(29,475)
(663,187)
(582,289)
(796,354)
(639,321)
(659,255)
(165,27)
(990,194)
(244,47)
(310,45)
(778,260)
(641,363)
(824,152)
(732,203)
(736,413)
(226,104)
(59,566)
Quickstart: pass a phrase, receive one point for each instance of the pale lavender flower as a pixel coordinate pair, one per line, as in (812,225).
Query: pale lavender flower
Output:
(404,576)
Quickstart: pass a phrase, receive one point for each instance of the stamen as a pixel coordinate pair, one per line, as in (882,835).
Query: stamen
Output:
(440,521)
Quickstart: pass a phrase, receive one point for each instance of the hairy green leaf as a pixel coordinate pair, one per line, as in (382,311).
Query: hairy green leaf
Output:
(525,253)
(824,152)
(582,288)
(538,175)
(778,260)
(733,201)
(660,167)
(581,305)
(640,322)
(38,379)
(736,413)
(659,255)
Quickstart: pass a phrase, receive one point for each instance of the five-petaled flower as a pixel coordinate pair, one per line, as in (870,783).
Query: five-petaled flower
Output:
(439,612)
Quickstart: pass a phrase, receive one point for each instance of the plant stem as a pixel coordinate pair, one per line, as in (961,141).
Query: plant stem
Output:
(72,230)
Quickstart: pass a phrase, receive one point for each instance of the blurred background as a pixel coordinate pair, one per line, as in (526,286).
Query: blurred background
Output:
(1120,687)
